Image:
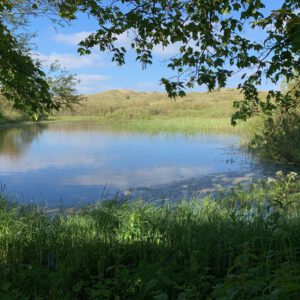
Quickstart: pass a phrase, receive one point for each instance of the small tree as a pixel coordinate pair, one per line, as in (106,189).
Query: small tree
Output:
(22,78)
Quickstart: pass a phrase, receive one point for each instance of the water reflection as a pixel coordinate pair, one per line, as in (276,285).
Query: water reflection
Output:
(75,163)
(15,141)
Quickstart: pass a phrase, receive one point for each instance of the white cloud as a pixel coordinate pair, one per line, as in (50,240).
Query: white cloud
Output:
(123,39)
(75,38)
(145,177)
(92,83)
(71,61)
(72,39)
(171,49)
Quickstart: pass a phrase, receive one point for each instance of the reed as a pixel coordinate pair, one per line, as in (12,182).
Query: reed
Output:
(155,112)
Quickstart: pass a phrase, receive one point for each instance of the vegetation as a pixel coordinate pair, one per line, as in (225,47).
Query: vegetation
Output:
(130,104)
(278,138)
(8,113)
(209,35)
(152,112)
(211,43)
(240,244)
(25,81)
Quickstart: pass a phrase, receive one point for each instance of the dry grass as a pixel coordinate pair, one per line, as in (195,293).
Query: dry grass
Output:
(131,104)
(155,112)
(152,112)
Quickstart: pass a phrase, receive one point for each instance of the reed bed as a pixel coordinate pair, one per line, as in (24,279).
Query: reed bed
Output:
(148,112)
(155,112)
(243,243)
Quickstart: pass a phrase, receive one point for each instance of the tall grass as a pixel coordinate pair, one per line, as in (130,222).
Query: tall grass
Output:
(241,244)
(155,112)
(8,113)
(131,104)
(150,112)
(178,124)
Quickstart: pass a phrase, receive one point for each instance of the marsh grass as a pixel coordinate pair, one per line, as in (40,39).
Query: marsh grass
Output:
(155,112)
(243,243)
(149,112)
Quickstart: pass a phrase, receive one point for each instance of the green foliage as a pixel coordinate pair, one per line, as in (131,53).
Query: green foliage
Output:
(22,79)
(278,138)
(211,41)
(209,34)
(63,88)
(240,244)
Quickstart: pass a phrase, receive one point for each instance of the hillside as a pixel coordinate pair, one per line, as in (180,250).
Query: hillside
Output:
(152,112)
(132,104)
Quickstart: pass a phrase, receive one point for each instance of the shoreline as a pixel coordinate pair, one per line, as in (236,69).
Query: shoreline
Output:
(165,124)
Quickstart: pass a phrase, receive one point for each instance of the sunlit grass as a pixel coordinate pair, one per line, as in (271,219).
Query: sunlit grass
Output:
(155,112)
(183,124)
(151,112)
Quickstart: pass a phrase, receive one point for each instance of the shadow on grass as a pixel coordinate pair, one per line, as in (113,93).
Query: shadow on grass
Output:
(235,248)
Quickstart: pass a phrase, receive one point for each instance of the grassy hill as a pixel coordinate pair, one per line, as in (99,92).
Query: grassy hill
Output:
(131,104)
(153,112)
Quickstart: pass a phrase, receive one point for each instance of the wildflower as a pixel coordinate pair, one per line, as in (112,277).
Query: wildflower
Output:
(270,180)
(279,173)
(292,176)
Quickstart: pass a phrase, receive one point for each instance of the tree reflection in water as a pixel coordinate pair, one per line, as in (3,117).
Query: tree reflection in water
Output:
(14,141)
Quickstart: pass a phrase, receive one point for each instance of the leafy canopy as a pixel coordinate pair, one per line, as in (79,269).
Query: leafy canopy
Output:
(213,43)
(212,38)
(22,78)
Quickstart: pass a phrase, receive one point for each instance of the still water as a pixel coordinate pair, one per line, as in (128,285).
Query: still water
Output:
(69,164)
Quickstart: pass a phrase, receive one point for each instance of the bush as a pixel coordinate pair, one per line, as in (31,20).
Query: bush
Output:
(278,138)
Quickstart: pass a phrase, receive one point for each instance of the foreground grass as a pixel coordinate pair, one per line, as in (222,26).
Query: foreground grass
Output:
(242,244)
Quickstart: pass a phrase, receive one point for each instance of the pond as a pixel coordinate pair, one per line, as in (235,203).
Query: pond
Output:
(75,163)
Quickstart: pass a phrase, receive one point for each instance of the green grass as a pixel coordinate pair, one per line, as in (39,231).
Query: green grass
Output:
(184,125)
(240,244)
(152,125)
(150,112)
(130,104)
(155,112)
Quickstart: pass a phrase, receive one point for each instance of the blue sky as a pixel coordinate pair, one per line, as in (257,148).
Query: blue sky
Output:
(96,71)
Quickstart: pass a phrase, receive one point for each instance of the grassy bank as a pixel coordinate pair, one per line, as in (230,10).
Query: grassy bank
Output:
(151,112)
(155,112)
(243,244)
(166,124)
